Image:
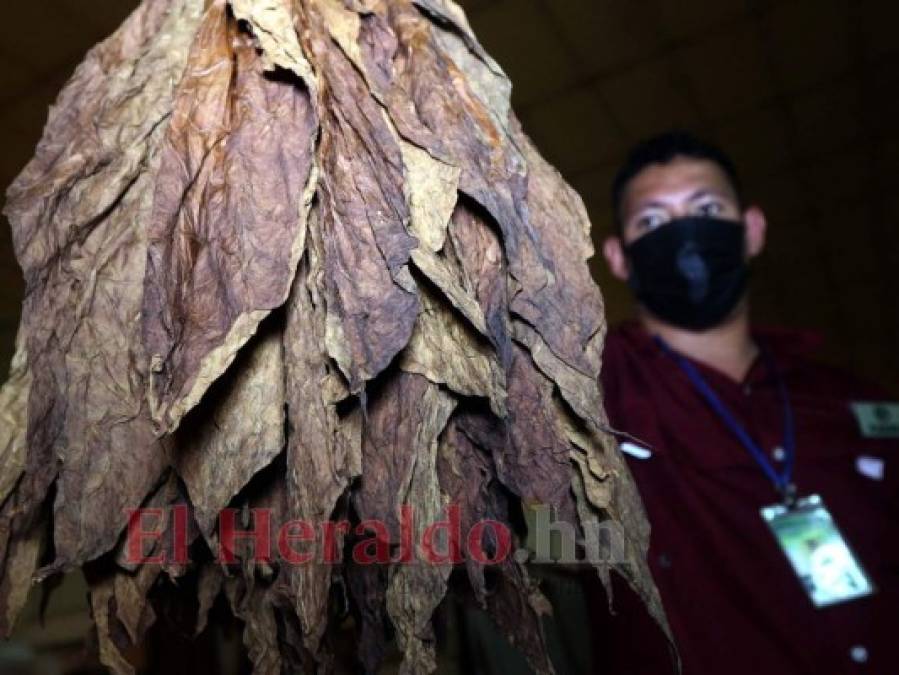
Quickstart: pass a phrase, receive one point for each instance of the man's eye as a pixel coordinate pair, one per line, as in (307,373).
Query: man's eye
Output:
(650,221)
(710,209)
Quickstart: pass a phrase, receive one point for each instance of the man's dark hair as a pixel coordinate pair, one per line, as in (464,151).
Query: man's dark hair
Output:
(662,149)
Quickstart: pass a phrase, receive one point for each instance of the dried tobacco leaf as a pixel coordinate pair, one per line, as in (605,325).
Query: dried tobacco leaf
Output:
(299,256)
(120,590)
(227,229)
(79,213)
(237,429)
(324,449)
(13,414)
(467,474)
(371,300)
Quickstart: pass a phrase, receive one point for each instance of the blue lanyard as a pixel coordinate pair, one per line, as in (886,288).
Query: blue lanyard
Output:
(781,479)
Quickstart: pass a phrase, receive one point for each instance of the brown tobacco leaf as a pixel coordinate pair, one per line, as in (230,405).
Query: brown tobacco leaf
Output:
(106,413)
(298,255)
(367,587)
(110,634)
(132,608)
(461,118)
(607,496)
(19,551)
(404,416)
(468,476)
(256,593)
(236,430)
(442,347)
(21,558)
(272,22)
(415,590)
(99,132)
(568,312)
(228,222)
(479,254)
(132,581)
(532,457)
(76,212)
(604,491)
(431,192)
(466,472)
(14,421)
(253,605)
(447,351)
(253,593)
(324,448)
(119,589)
(517,605)
(371,301)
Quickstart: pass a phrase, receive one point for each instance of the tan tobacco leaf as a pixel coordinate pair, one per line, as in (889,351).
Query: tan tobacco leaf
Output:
(272,22)
(371,301)
(403,416)
(229,214)
(467,475)
(76,213)
(448,351)
(414,590)
(109,631)
(21,561)
(237,429)
(431,192)
(252,605)
(13,420)
(324,448)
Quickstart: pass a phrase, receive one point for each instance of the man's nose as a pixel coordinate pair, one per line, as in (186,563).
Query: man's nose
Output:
(679,210)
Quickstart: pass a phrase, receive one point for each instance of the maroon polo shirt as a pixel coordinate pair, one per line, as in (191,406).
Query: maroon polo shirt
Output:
(734,604)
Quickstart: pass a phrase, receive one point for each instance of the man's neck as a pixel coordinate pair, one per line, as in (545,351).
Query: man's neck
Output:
(728,347)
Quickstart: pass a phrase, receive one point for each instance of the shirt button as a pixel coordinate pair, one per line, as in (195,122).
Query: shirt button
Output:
(665,561)
(747,389)
(859,654)
(778,454)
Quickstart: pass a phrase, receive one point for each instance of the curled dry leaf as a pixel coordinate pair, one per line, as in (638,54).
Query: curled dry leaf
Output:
(80,212)
(299,256)
(324,448)
(226,231)
(467,475)
(13,415)
(237,429)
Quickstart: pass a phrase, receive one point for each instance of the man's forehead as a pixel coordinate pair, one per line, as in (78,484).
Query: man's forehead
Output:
(675,181)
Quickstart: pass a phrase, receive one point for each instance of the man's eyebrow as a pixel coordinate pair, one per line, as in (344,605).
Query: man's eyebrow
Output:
(706,192)
(650,204)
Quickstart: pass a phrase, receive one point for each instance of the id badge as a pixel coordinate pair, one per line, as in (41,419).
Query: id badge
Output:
(820,557)
(877,419)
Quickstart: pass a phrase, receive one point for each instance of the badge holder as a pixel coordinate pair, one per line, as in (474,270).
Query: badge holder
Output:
(822,560)
(825,564)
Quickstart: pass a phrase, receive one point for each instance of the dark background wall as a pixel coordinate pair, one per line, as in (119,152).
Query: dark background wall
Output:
(803,93)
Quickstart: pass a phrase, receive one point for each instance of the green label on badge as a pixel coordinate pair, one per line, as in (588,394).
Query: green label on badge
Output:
(877,419)
(821,558)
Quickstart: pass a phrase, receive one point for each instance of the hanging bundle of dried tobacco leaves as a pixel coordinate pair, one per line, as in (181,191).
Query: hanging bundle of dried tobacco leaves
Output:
(298,256)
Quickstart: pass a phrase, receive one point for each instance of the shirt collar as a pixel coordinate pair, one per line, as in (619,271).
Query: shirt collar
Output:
(788,346)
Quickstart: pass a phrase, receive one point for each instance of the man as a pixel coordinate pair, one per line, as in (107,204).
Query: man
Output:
(726,419)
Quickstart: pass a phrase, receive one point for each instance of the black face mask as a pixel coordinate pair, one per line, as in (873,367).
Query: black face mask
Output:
(690,272)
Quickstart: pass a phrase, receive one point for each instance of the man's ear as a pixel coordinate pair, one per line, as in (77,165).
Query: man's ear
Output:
(756,230)
(615,258)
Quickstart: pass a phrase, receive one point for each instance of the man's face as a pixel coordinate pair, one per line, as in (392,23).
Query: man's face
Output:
(682,187)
